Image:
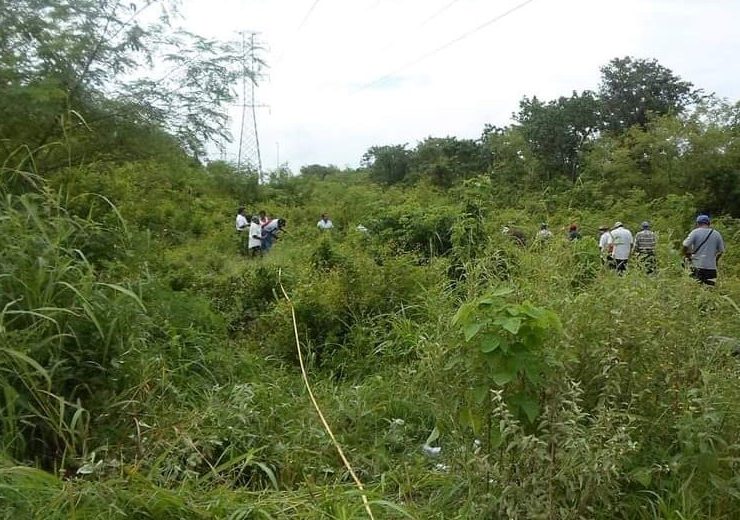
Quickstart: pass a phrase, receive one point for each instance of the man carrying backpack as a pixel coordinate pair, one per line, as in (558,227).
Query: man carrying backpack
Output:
(703,247)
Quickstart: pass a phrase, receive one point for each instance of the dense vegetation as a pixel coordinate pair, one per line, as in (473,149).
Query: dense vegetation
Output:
(147,370)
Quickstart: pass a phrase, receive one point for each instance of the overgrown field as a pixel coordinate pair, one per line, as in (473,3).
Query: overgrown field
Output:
(150,371)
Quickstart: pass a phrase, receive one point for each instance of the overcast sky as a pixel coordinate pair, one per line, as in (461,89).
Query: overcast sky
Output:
(344,75)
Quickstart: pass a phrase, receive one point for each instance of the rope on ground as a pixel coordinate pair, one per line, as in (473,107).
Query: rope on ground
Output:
(316,404)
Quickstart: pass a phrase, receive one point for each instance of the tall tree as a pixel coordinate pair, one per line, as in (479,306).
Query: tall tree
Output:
(388,164)
(633,89)
(445,160)
(558,130)
(66,67)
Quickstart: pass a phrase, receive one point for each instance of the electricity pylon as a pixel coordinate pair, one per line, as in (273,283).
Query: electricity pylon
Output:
(249,142)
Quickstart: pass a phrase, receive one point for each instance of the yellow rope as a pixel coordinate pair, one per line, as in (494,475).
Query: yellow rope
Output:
(316,405)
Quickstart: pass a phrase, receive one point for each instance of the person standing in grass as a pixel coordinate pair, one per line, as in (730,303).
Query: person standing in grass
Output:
(270,233)
(242,225)
(703,247)
(620,246)
(544,234)
(325,222)
(644,247)
(604,246)
(517,235)
(255,237)
(573,233)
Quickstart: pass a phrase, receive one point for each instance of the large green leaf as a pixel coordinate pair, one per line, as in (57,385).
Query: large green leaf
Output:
(510,324)
(503,376)
(470,418)
(527,404)
(471,330)
(490,343)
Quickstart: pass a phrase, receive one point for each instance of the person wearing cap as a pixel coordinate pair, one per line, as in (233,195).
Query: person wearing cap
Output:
(704,246)
(644,247)
(604,239)
(620,245)
(544,234)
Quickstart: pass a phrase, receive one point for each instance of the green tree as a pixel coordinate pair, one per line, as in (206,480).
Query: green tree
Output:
(66,69)
(388,164)
(633,89)
(511,163)
(318,171)
(446,160)
(558,130)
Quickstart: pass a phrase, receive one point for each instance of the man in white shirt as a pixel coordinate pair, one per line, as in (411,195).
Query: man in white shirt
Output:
(255,237)
(241,220)
(325,222)
(620,244)
(544,234)
(604,237)
(270,232)
(242,225)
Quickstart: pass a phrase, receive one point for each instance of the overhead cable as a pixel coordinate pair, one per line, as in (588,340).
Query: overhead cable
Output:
(445,46)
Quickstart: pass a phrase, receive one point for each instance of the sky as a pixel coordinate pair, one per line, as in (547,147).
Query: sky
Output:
(344,75)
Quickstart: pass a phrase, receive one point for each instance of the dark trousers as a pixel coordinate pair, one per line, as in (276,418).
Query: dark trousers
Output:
(705,276)
(646,259)
(620,266)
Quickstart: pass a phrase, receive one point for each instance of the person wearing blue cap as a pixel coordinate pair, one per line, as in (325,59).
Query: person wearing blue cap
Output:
(703,247)
(644,247)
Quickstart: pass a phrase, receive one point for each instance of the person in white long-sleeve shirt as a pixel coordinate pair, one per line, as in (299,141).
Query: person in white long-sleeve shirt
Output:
(242,223)
(325,222)
(604,237)
(242,227)
(620,244)
(255,237)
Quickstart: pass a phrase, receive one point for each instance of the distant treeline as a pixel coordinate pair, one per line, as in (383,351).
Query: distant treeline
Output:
(645,129)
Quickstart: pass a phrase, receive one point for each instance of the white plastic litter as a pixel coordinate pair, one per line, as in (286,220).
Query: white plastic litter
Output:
(432,451)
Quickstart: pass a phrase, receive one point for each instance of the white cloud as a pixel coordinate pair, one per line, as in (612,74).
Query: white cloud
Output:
(547,48)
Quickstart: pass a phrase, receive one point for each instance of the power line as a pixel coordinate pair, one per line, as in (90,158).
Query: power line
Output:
(445,46)
(308,15)
(438,12)
(297,31)
(391,44)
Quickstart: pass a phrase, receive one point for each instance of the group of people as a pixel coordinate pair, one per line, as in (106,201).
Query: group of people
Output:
(545,234)
(258,232)
(617,245)
(702,248)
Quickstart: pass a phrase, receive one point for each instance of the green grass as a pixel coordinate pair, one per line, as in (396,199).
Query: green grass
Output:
(152,373)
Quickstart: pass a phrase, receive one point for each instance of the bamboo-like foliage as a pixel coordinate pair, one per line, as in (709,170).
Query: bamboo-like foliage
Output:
(62,328)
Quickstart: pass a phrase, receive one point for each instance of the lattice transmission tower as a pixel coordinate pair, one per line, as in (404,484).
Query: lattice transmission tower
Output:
(248,155)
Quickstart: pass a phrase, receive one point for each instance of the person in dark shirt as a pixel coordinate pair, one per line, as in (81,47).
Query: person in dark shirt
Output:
(573,233)
(517,235)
